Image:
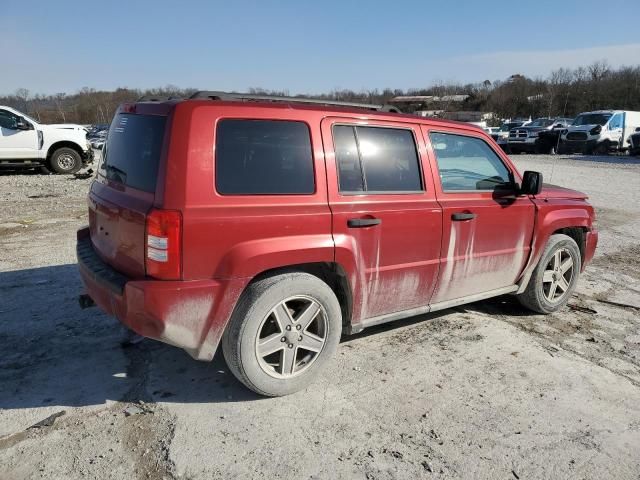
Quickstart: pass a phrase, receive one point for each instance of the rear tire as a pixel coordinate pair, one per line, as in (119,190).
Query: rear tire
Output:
(555,277)
(270,344)
(65,160)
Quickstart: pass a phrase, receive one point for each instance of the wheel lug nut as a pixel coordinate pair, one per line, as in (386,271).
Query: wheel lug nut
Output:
(300,338)
(283,339)
(291,345)
(298,327)
(288,327)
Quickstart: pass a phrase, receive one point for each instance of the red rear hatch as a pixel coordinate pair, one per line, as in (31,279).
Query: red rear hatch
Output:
(125,189)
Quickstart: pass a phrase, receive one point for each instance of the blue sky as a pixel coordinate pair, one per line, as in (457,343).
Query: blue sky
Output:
(304,46)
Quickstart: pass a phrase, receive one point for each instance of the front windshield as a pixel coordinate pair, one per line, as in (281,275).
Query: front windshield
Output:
(508,126)
(592,119)
(540,122)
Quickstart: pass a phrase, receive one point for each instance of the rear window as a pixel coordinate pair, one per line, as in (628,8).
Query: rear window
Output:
(132,152)
(263,157)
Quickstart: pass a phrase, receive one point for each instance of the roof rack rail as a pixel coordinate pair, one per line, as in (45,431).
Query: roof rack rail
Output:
(229,96)
(155,98)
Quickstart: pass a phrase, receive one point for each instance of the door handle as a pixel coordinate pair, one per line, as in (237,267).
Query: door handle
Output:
(458,217)
(363,222)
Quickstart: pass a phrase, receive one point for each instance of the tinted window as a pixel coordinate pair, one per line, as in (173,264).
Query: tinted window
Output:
(263,157)
(347,158)
(467,163)
(8,120)
(132,151)
(376,159)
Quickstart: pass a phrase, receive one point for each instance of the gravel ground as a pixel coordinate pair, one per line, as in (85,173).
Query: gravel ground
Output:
(481,391)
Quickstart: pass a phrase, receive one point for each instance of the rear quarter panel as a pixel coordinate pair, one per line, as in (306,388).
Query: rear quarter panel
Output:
(240,236)
(233,238)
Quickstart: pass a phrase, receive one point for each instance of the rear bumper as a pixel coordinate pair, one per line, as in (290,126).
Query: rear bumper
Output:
(187,314)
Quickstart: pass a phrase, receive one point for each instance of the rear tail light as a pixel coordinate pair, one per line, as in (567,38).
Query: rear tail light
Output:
(164,244)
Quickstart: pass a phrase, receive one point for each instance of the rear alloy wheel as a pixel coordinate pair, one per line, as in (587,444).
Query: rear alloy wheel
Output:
(291,337)
(282,332)
(65,160)
(554,279)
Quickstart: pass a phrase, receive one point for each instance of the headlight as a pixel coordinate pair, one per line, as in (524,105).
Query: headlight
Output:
(595,130)
(533,134)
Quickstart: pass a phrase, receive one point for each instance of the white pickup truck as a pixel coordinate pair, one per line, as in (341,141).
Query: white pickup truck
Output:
(25,143)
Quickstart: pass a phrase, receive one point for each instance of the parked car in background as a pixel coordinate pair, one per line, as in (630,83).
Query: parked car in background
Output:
(228,220)
(25,143)
(634,143)
(600,132)
(502,135)
(491,130)
(526,138)
(97,140)
(94,130)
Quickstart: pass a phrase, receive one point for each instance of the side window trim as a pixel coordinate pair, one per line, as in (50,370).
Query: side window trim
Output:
(354,126)
(429,131)
(358,150)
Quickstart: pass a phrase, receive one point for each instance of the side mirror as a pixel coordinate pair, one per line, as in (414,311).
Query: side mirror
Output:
(638,129)
(22,124)
(531,183)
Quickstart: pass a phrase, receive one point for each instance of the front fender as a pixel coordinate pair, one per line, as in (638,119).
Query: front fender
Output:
(551,216)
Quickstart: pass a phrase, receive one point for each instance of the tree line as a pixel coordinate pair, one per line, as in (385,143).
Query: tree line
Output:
(565,93)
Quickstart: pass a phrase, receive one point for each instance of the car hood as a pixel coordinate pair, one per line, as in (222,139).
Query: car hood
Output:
(63,126)
(531,129)
(554,191)
(581,128)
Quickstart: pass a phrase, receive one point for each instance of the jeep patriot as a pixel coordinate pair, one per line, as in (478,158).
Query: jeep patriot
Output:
(272,225)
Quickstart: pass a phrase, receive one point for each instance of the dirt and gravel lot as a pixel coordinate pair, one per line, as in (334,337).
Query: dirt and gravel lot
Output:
(482,391)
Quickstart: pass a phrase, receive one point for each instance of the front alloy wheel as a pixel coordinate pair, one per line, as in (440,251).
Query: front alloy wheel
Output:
(557,275)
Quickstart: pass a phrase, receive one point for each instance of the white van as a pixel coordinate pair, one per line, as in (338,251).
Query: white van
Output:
(599,132)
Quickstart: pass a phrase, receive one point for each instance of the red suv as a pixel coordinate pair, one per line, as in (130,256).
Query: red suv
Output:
(272,225)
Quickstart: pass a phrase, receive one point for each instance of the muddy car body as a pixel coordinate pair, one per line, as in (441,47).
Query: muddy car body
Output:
(272,225)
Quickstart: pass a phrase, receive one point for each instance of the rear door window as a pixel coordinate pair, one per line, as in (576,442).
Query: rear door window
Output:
(263,157)
(131,155)
(376,159)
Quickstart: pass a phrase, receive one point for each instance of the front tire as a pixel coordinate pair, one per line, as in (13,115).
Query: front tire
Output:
(65,160)
(282,333)
(555,277)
